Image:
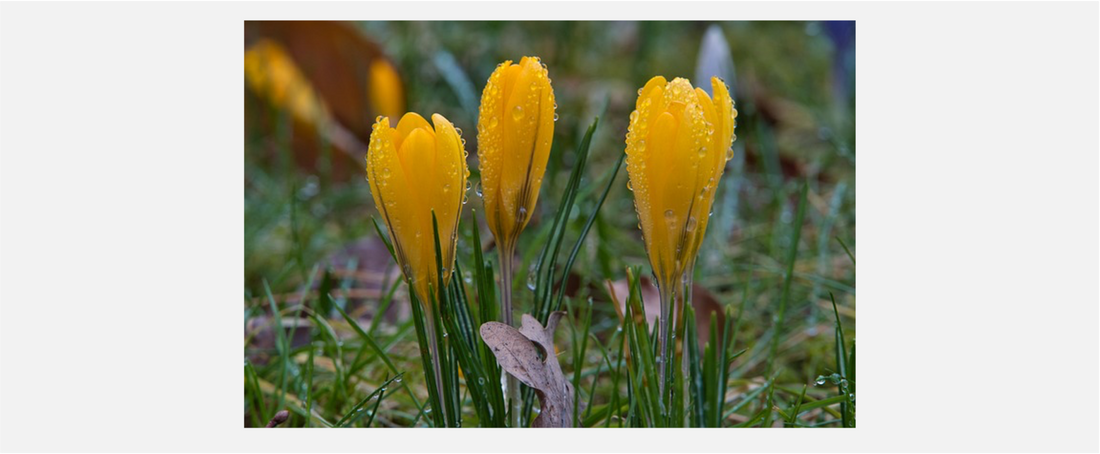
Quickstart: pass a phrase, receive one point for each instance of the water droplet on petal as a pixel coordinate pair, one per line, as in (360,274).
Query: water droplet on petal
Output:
(518,113)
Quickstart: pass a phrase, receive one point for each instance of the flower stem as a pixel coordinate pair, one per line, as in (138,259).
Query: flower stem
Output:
(683,303)
(436,362)
(665,332)
(512,384)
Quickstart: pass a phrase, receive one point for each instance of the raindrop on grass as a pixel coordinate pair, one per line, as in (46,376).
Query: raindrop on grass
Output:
(532,276)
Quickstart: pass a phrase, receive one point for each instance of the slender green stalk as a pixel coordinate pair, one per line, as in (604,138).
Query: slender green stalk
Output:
(667,293)
(683,303)
(436,369)
(512,385)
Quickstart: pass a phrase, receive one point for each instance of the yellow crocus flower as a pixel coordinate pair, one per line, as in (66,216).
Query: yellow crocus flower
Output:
(271,72)
(414,170)
(677,146)
(387,94)
(514,131)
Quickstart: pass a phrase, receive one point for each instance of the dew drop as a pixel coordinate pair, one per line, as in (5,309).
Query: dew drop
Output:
(518,113)
(493,122)
(729,154)
(477,189)
(522,214)
(691,224)
(629,185)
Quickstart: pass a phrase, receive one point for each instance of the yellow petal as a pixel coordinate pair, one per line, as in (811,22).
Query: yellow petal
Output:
(450,187)
(726,115)
(410,122)
(387,94)
(660,144)
(490,135)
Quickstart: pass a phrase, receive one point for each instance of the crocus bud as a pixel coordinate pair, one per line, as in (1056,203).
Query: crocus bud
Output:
(677,146)
(270,72)
(415,170)
(514,131)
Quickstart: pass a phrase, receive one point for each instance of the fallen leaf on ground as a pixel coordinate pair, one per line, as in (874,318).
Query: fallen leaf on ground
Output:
(528,354)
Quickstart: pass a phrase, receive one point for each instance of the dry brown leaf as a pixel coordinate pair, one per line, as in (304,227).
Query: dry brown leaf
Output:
(528,354)
(704,303)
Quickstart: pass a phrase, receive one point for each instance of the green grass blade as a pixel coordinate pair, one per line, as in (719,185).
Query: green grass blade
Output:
(846,250)
(356,412)
(792,254)
(381,353)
